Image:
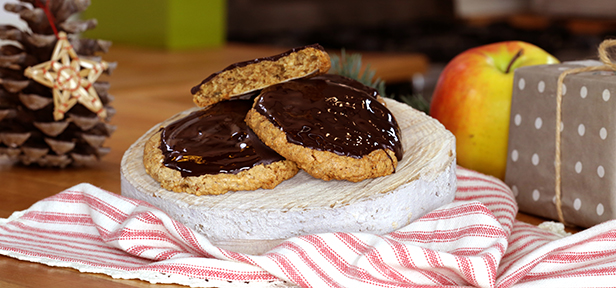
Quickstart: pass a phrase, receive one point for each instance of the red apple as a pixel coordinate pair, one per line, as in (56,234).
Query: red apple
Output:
(473,100)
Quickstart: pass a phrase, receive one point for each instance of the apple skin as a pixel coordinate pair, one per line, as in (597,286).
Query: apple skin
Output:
(472,99)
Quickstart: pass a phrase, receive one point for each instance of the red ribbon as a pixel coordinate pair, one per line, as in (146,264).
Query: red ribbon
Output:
(50,17)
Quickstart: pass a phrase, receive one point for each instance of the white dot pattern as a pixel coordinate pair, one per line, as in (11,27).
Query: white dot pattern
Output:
(535,159)
(517,119)
(577,204)
(564,88)
(514,155)
(581,129)
(538,123)
(600,209)
(536,195)
(600,171)
(578,167)
(603,133)
(521,83)
(541,86)
(583,92)
(606,95)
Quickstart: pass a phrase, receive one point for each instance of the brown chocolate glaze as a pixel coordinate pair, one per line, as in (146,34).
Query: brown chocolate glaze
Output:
(349,82)
(214,140)
(326,116)
(195,89)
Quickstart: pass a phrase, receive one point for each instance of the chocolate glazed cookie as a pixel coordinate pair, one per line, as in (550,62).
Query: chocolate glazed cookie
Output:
(331,130)
(212,151)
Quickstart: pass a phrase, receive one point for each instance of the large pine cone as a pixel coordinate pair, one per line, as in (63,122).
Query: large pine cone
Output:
(28,132)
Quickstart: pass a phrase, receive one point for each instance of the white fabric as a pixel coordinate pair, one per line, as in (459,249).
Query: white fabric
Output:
(474,241)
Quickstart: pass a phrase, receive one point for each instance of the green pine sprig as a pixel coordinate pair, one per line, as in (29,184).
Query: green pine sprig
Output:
(416,101)
(349,65)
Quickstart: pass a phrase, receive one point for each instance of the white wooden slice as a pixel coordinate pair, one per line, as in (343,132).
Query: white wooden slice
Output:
(255,221)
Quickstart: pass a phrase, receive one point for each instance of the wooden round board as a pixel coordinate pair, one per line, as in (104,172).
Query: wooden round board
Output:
(256,221)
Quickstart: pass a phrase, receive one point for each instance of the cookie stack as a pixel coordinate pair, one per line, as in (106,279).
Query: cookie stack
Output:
(330,126)
(298,148)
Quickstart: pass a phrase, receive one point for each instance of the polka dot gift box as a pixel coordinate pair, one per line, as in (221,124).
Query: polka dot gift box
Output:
(587,143)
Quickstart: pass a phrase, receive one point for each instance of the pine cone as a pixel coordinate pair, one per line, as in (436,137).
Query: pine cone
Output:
(28,132)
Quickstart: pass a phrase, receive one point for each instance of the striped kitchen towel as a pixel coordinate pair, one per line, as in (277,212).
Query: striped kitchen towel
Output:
(473,242)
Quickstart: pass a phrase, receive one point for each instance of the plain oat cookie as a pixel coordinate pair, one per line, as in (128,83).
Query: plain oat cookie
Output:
(248,76)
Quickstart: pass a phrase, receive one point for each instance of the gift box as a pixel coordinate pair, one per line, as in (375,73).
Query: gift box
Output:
(587,143)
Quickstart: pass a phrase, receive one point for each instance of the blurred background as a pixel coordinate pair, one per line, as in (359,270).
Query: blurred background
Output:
(438,29)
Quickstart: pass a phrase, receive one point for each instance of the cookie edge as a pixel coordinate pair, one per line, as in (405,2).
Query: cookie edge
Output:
(329,166)
(271,174)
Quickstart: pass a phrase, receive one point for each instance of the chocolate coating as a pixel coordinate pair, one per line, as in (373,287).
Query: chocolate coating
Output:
(335,78)
(327,116)
(195,89)
(214,140)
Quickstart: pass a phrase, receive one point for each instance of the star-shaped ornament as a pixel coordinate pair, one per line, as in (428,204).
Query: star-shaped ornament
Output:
(71,79)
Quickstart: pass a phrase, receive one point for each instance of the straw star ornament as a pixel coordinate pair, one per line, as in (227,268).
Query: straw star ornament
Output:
(71,79)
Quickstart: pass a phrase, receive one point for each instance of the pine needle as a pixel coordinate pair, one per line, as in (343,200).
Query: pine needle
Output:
(349,65)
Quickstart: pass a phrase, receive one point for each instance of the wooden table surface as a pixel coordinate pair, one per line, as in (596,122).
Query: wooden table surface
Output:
(149,86)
